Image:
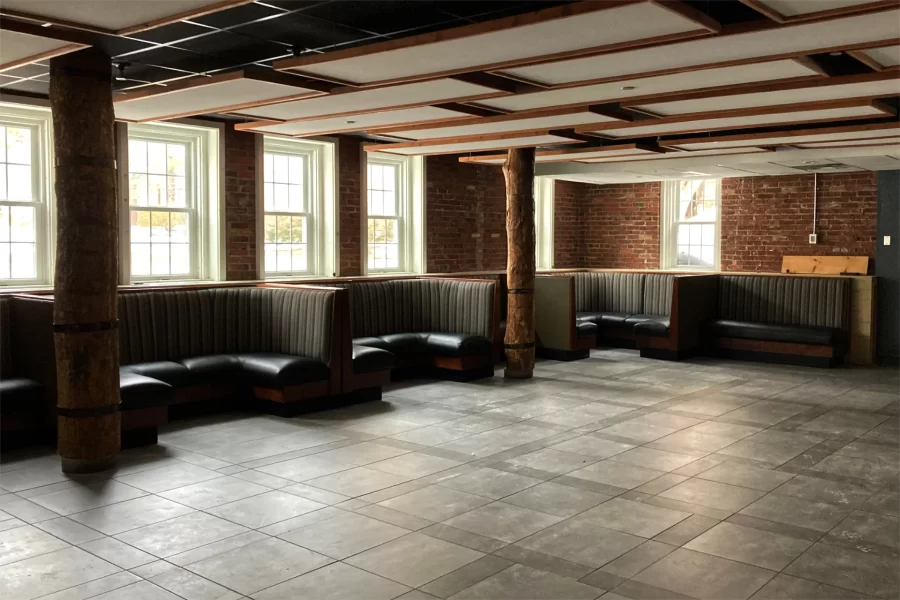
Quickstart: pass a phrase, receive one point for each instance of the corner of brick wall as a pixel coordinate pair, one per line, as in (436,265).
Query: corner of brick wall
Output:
(240,204)
(569,198)
(621,226)
(766,218)
(465,216)
(350,177)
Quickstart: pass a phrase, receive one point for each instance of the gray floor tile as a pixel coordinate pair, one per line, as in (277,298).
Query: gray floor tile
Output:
(192,587)
(358,481)
(91,589)
(634,561)
(644,520)
(849,569)
(27,541)
(180,534)
(490,483)
(859,468)
(713,494)
(752,546)
(786,587)
(616,474)
(168,477)
(713,404)
(552,461)
(554,499)
(91,495)
(825,490)
(654,459)
(773,447)
(436,503)
(862,527)
(843,423)
(306,467)
(258,566)
(130,514)
(502,521)
(518,582)
(52,572)
(595,447)
(430,436)
(467,576)
(766,412)
(704,576)
(344,535)
(414,559)
(214,492)
(118,553)
(142,590)
(581,543)
(265,509)
(686,530)
(745,475)
(796,511)
(68,530)
(414,465)
(335,582)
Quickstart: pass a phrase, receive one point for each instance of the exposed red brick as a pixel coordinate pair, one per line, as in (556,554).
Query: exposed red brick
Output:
(568,224)
(465,216)
(621,226)
(766,218)
(240,204)
(350,177)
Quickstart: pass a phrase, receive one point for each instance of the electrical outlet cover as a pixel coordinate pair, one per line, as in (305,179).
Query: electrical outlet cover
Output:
(813,238)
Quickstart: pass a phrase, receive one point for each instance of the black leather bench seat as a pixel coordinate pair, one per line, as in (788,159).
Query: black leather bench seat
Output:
(275,370)
(21,396)
(140,391)
(369,359)
(438,344)
(604,319)
(586,329)
(171,372)
(774,332)
(656,326)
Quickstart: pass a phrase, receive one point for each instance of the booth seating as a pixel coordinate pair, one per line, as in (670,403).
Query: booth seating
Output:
(193,345)
(797,320)
(27,368)
(560,336)
(449,324)
(618,302)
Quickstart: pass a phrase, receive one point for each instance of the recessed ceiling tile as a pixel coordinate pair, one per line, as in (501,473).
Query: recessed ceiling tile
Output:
(360,101)
(472,146)
(792,8)
(888,56)
(361,122)
(499,43)
(21,48)
(503,124)
(661,84)
(802,39)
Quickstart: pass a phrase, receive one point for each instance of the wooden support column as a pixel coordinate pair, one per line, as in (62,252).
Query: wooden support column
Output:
(520,266)
(84,309)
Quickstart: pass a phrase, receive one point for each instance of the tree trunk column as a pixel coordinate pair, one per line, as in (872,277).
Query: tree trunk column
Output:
(84,309)
(520,266)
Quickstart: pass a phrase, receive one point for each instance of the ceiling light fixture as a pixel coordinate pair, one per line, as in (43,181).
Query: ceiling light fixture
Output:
(350,122)
(835,53)
(628,88)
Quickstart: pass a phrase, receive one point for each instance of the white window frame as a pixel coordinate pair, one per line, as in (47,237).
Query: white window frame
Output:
(39,120)
(670,220)
(203,188)
(321,193)
(544,190)
(410,212)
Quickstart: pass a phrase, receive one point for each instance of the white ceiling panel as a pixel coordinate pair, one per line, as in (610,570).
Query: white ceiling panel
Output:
(473,146)
(870,89)
(603,27)
(587,155)
(21,48)
(660,84)
(888,56)
(778,140)
(130,15)
(370,100)
(797,40)
(854,112)
(793,8)
(850,143)
(361,122)
(491,125)
(216,96)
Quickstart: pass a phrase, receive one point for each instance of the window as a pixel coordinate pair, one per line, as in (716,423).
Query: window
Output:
(25,196)
(298,207)
(172,198)
(394,214)
(690,233)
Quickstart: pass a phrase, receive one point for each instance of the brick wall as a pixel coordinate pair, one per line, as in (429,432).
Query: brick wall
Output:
(465,216)
(240,205)
(766,218)
(349,181)
(621,226)
(568,224)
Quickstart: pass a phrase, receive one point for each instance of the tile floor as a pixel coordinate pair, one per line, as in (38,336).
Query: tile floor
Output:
(613,477)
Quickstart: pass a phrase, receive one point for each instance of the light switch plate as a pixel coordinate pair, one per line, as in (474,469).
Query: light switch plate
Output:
(812,238)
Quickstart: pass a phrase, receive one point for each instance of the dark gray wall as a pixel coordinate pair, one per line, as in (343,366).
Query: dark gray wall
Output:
(887,266)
